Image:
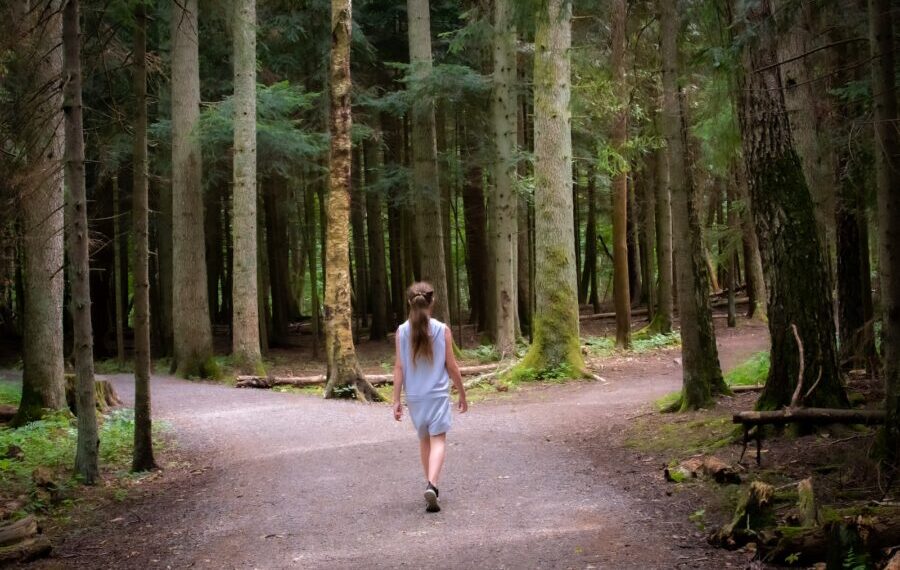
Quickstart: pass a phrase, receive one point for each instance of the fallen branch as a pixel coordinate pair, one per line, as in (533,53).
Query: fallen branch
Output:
(747,388)
(810,416)
(320,379)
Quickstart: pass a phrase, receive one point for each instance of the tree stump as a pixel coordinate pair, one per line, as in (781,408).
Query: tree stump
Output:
(20,541)
(751,515)
(105,393)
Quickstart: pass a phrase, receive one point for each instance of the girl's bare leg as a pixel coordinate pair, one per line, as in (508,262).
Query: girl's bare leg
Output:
(425,453)
(436,457)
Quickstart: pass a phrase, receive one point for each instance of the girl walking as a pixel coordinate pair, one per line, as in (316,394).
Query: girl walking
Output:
(423,367)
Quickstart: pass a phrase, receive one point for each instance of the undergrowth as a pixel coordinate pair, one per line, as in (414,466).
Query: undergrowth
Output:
(751,372)
(640,343)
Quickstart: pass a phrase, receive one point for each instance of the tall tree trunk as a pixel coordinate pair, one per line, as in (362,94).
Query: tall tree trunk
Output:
(190,306)
(87,457)
(344,375)
(797,278)
(425,169)
(142,457)
(262,281)
(117,272)
(213,235)
(887,160)
(41,211)
(589,273)
(283,309)
(445,186)
(635,277)
(662,320)
(618,140)
(702,377)
(753,270)
(245,347)
(358,227)
(576,228)
(476,233)
(375,227)
(731,254)
(556,346)
(310,239)
(805,107)
(523,257)
(504,226)
(648,234)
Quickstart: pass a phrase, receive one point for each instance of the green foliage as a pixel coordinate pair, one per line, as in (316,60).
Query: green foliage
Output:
(10,394)
(485,353)
(642,343)
(50,443)
(751,372)
(113,366)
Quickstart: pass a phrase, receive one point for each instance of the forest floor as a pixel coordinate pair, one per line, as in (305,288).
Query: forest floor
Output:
(543,476)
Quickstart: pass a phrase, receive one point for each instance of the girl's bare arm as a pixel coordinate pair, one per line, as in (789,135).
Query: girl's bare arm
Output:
(453,371)
(398,378)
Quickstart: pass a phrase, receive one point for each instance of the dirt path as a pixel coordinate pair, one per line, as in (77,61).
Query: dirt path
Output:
(291,481)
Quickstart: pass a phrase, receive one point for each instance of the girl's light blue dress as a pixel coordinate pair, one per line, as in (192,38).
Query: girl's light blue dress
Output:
(427,384)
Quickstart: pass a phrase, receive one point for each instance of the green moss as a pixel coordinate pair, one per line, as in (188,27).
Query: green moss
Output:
(114,366)
(751,372)
(681,439)
(667,402)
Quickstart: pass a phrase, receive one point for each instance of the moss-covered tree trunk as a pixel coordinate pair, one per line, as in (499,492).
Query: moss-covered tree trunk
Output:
(424,162)
(190,306)
(344,376)
(87,458)
(556,346)
(618,140)
(142,457)
(41,211)
(504,223)
(887,159)
(797,276)
(245,347)
(374,154)
(701,375)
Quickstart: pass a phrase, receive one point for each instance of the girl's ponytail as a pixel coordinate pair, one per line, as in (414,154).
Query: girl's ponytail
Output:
(420,297)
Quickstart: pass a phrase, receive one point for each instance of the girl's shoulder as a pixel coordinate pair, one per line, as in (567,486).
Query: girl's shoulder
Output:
(437,326)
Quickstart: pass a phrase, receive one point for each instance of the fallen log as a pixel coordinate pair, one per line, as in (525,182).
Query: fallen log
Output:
(807,546)
(18,531)
(320,379)
(706,466)
(816,416)
(26,551)
(746,388)
(820,416)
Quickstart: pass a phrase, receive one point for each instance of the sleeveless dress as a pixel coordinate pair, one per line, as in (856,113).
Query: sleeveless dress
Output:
(427,384)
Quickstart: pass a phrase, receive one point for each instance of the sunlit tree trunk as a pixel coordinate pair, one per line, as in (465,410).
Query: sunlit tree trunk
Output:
(702,377)
(556,345)
(190,307)
(621,285)
(504,226)
(887,159)
(424,158)
(245,348)
(797,277)
(142,457)
(41,211)
(344,375)
(87,465)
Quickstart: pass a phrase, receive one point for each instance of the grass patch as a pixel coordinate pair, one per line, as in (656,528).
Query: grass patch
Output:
(484,354)
(10,394)
(114,366)
(680,439)
(667,401)
(751,372)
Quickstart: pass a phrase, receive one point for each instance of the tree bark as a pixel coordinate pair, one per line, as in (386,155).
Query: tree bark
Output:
(358,231)
(190,305)
(245,347)
(344,375)
(589,273)
(476,232)
(375,227)
(887,160)
(41,211)
(87,448)
(618,140)
(504,226)
(662,320)
(556,345)
(310,239)
(425,169)
(117,272)
(753,270)
(702,377)
(142,457)
(797,278)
